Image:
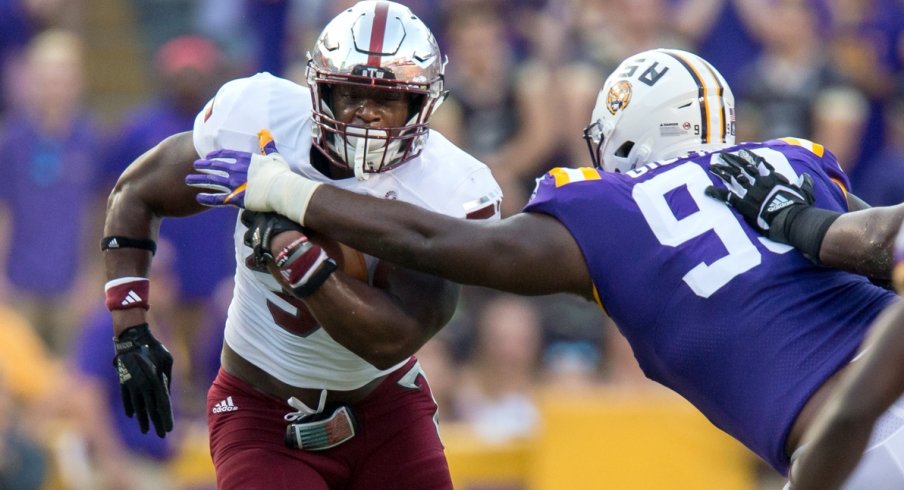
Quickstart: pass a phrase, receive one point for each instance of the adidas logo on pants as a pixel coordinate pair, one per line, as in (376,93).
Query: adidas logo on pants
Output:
(225,406)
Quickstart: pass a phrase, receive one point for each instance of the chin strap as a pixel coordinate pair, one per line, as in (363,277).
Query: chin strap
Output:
(360,158)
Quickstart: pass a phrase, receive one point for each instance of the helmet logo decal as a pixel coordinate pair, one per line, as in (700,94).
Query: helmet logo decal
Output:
(619,97)
(373,72)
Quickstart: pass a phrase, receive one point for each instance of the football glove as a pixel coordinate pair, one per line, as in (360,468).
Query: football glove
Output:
(303,264)
(262,227)
(145,370)
(763,196)
(256,181)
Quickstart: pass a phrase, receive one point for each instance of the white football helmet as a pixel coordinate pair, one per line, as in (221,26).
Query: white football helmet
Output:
(656,105)
(379,45)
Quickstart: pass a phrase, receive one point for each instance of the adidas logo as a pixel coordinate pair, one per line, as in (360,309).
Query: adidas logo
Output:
(780,202)
(225,406)
(113,244)
(132,297)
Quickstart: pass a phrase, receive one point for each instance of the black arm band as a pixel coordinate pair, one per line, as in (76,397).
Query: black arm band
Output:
(323,273)
(806,227)
(116,242)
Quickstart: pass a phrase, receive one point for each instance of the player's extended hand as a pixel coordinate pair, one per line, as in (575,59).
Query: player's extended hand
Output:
(762,195)
(262,228)
(301,263)
(145,369)
(239,178)
(256,181)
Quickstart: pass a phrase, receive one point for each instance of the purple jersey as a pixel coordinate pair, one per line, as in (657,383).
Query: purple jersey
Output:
(744,328)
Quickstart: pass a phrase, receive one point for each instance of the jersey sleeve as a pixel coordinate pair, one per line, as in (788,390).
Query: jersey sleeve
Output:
(480,196)
(546,190)
(818,158)
(242,107)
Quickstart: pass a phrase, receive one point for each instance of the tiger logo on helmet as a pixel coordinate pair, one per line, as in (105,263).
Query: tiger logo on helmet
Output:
(655,89)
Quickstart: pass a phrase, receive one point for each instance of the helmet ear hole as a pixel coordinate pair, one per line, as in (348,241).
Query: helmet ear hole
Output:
(624,149)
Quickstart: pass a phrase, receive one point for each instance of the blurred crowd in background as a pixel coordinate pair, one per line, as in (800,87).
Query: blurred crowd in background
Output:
(523,75)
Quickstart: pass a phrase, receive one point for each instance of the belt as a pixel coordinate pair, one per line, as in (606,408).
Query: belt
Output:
(262,381)
(322,430)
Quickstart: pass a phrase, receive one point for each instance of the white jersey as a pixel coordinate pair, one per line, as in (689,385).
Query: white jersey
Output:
(269,328)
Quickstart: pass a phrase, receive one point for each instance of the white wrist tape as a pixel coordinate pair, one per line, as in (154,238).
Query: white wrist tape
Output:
(290,196)
(272,186)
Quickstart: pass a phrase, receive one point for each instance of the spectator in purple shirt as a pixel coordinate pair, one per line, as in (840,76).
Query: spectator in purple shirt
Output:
(49,145)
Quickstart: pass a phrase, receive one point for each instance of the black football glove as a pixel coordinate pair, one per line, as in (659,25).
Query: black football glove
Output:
(763,196)
(262,227)
(145,369)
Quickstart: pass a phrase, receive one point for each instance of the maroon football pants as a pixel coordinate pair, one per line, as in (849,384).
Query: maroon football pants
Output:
(396,445)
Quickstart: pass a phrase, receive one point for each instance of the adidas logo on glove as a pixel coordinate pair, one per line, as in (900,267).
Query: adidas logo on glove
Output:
(780,202)
(225,406)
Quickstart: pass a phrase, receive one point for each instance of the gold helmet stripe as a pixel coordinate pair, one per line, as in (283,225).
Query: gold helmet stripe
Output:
(703,91)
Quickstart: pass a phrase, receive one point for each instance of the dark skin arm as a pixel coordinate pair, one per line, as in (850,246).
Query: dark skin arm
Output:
(840,433)
(150,189)
(529,253)
(862,240)
(384,326)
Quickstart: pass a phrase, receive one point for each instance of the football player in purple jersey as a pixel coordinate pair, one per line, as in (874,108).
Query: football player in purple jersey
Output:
(748,329)
(857,241)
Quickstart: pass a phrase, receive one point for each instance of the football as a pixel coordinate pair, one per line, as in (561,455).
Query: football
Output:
(349,260)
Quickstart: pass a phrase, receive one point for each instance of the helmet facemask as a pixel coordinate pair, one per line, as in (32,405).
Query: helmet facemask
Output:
(382,50)
(362,148)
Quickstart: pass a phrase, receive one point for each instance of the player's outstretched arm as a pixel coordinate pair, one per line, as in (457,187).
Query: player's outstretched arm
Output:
(529,253)
(863,241)
(151,188)
(838,437)
(858,241)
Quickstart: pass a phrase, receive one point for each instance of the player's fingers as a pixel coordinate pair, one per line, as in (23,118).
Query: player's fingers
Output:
(126,401)
(731,160)
(141,411)
(225,157)
(160,411)
(208,181)
(805,182)
(749,162)
(724,172)
(265,142)
(248,217)
(718,193)
(733,199)
(212,200)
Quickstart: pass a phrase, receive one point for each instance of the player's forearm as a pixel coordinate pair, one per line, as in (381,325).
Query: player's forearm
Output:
(830,459)
(863,241)
(871,385)
(367,322)
(393,230)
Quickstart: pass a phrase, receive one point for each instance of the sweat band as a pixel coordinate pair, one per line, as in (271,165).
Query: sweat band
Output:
(115,242)
(127,292)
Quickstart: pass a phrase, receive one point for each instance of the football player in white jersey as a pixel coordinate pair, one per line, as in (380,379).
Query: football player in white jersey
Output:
(318,386)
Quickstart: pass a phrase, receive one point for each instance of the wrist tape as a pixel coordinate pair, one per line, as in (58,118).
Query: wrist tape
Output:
(127,292)
(805,227)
